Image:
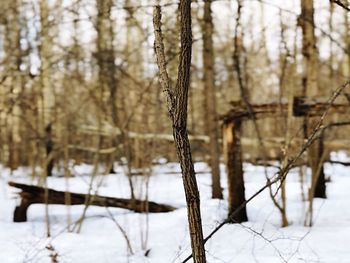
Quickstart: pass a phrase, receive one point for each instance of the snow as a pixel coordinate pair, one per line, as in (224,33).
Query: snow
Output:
(166,235)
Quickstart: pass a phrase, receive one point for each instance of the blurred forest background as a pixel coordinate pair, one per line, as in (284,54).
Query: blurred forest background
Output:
(79,79)
(79,84)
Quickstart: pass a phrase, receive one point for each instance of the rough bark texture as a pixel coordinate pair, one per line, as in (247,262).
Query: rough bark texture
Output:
(181,137)
(210,100)
(310,87)
(177,107)
(233,158)
(32,194)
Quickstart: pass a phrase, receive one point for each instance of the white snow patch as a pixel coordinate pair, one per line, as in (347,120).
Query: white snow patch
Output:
(166,235)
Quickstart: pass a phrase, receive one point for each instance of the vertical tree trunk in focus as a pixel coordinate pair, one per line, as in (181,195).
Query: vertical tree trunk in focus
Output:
(177,106)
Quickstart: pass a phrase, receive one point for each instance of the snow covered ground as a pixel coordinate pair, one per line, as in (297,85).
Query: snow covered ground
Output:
(164,236)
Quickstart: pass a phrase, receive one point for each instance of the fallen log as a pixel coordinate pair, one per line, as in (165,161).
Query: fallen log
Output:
(339,162)
(32,194)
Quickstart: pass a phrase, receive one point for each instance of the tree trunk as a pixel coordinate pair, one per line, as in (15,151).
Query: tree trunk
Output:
(12,48)
(310,87)
(285,87)
(106,65)
(32,194)
(320,187)
(233,158)
(181,137)
(177,106)
(210,100)
(47,99)
(346,67)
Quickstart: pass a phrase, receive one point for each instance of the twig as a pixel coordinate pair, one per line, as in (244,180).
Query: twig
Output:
(339,3)
(122,230)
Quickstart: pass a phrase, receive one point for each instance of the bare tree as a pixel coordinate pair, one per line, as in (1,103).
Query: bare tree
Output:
(210,99)
(47,98)
(310,86)
(177,108)
(347,38)
(13,62)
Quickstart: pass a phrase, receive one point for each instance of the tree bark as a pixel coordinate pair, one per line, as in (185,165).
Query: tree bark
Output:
(310,87)
(210,100)
(13,60)
(181,137)
(177,106)
(234,164)
(346,67)
(47,98)
(32,194)
(106,65)
(320,187)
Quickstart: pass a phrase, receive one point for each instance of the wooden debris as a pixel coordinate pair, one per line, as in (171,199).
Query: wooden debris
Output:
(302,106)
(234,166)
(32,194)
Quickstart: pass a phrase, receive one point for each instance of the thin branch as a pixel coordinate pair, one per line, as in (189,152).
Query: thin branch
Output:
(339,3)
(161,61)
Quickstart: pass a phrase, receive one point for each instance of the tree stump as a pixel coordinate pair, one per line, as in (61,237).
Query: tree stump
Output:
(234,165)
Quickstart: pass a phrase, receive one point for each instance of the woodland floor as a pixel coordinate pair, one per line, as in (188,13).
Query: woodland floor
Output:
(165,235)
